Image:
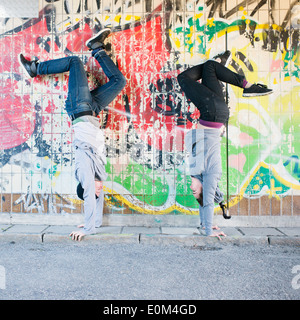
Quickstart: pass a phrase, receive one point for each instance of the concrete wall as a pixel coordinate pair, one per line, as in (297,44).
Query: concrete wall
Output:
(152,42)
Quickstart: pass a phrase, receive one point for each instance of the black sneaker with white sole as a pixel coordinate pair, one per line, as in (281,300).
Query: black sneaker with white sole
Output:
(257,90)
(97,40)
(30,67)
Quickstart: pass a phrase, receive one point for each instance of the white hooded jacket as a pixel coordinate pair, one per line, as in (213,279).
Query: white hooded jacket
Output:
(90,161)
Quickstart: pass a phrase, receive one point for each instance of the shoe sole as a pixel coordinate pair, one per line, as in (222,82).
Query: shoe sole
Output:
(257,94)
(25,71)
(97,35)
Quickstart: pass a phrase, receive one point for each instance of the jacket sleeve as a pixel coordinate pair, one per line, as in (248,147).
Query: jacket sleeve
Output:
(86,176)
(194,142)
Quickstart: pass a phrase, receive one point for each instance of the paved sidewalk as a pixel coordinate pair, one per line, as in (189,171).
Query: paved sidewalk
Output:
(190,236)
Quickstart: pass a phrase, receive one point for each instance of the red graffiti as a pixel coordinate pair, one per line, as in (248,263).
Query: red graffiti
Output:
(141,55)
(17,119)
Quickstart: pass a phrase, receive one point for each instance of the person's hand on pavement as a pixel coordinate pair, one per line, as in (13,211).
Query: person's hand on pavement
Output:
(218,235)
(76,235)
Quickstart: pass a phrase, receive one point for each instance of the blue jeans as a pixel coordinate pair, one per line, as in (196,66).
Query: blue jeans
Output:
(80,98)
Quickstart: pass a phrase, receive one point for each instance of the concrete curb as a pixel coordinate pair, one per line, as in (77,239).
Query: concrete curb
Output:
(292,241)
(14,237)
(99,238)
(193,237)
(199,241)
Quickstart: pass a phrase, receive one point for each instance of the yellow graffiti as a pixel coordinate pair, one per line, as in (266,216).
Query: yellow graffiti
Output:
(145,210)
(232,202)
(273,190)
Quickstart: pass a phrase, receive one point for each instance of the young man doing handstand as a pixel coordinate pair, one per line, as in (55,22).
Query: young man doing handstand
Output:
(83,106)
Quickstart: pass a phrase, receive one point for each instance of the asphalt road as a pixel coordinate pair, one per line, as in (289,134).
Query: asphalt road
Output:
(135,271)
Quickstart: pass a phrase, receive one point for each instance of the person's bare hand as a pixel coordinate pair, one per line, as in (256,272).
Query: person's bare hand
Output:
(218,235)
(77,235)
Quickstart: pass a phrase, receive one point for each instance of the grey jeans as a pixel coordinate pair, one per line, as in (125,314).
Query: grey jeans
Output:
(204,149)
(206,218)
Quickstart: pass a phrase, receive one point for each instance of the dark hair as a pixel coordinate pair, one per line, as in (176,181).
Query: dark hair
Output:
(200,199)
(80,192)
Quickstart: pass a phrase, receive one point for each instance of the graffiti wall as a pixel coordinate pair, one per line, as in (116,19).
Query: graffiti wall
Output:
(152,41)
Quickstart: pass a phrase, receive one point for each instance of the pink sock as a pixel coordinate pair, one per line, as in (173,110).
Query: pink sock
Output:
(244,83)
